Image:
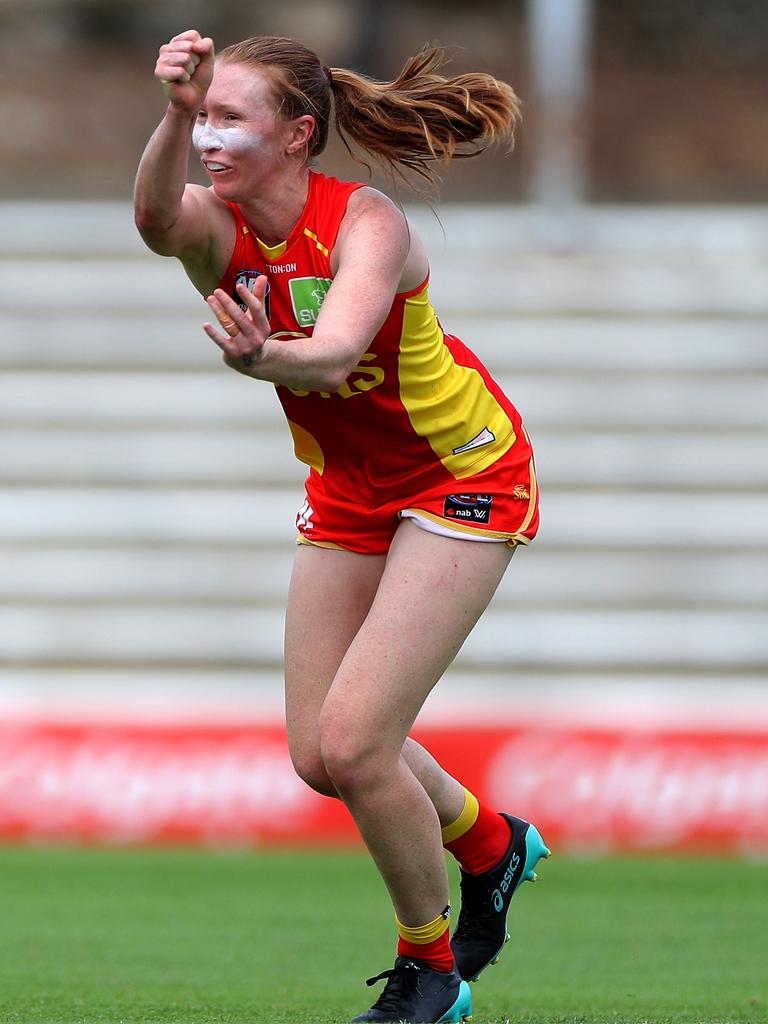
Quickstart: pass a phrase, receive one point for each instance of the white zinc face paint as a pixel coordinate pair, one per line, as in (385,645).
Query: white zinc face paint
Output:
(235,140)
(204,137)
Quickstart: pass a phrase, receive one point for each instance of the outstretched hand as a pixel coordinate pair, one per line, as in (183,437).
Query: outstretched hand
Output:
(246,332)
(185,68)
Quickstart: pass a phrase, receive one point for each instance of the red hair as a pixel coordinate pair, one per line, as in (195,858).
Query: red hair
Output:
(419,119)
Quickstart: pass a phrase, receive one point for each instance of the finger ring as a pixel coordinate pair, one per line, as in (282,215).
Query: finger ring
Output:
(229,326)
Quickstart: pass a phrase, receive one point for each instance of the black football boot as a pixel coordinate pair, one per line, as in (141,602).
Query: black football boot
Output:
(418,994)
(481,929)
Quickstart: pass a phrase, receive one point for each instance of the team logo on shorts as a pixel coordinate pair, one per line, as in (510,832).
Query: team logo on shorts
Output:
(304,517)
(248,278)
(474,508)
(521,492)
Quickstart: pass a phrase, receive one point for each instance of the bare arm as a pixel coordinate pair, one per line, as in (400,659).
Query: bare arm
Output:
(372,250)
(174,218)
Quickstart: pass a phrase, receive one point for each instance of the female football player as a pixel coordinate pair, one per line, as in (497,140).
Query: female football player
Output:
(421,480)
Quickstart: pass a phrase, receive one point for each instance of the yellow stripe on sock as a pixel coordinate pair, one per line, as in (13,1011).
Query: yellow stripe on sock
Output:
(465,820)
(424,933)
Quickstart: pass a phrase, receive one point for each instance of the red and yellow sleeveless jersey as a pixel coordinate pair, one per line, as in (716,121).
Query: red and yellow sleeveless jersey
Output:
(418,410)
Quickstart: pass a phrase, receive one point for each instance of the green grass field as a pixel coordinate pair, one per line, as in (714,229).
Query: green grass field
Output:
(196,937)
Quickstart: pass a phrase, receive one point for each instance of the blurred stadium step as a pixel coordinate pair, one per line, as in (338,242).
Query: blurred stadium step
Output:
(632,340)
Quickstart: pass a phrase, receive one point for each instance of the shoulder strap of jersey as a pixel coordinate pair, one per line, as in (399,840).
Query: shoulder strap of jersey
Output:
(329,204)
(242,229)
(243,251)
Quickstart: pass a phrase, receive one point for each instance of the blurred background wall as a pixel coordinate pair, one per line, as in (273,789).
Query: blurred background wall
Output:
(612,272)
(674,109)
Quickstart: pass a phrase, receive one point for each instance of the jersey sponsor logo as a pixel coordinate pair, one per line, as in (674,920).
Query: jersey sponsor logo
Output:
(283,268)
(307,295)
(521,492)
(363,378)
(248,278)
(473,508)
(484,437)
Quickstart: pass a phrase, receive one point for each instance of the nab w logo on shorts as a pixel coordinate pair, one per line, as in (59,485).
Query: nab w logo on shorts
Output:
(248,278)
(473,508)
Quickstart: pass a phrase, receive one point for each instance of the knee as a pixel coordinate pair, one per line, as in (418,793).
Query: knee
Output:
(309,766)
(351,759)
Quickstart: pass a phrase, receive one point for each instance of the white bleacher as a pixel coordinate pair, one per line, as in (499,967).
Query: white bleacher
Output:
(147,493)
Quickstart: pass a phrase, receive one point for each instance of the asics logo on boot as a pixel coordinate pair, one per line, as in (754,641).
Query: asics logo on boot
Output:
(509,874)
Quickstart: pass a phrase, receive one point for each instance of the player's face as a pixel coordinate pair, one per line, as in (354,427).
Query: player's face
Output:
(238,134)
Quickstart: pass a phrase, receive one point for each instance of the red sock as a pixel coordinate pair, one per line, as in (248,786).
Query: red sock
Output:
(430,942)
(436,954)
(479,837)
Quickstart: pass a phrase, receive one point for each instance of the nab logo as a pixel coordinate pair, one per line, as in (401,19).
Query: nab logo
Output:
(475,508)
(248,278)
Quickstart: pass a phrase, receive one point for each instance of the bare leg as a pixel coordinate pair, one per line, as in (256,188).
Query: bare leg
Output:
(330,596)
(431,593)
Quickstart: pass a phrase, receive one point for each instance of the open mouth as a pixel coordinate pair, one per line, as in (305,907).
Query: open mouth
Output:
(215,168)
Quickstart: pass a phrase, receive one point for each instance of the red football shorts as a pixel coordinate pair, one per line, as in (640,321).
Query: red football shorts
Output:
(501,504)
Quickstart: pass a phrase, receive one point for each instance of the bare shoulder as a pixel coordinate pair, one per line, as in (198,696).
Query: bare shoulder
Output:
(205,195)
(219,224)
(372,215)
(369,207)
(201,227)
(203,239)
(210,223)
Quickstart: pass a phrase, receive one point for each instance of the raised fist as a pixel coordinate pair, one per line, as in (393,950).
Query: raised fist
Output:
(185,67)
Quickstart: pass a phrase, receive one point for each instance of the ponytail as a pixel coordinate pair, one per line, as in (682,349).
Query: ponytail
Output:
(422,118)
(408,125)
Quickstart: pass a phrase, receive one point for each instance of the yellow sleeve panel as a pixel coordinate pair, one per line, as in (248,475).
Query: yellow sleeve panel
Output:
(448,404)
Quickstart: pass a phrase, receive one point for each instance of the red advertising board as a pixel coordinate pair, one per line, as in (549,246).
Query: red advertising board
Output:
(604,789)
